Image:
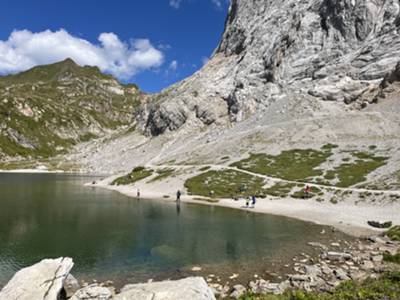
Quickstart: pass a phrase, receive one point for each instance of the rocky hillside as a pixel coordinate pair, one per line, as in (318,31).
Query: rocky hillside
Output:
(275,55)
(286,75)
(46,110)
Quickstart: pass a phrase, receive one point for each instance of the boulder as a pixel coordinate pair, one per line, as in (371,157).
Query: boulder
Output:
(238,291)
(71,285)
(43,281)
(194,288)
(338,256)
(93,292)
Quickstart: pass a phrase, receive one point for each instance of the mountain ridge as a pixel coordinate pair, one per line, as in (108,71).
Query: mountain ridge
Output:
(48,109)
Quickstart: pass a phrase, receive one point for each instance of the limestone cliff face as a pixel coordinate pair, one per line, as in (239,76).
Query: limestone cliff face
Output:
(285,51)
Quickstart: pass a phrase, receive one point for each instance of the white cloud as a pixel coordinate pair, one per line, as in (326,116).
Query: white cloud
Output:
(25,49)
(175,3)
(218,3)
(173,65)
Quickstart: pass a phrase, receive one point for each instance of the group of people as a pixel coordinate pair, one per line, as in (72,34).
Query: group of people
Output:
(251,199)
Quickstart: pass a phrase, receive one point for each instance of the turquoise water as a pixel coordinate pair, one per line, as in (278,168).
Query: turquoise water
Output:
(111,236)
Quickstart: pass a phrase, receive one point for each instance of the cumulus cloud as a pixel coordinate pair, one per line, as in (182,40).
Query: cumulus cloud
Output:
(25,49)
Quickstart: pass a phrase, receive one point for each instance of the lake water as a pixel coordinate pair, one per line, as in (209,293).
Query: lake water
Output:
(114,237)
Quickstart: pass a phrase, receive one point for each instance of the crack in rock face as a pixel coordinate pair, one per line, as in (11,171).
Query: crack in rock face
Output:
(43,280)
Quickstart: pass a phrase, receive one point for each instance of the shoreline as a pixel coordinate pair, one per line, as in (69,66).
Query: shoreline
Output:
(348,218)
(32,171)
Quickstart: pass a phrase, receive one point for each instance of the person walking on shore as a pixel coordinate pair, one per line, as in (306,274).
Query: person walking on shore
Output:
(178,196)
(138,193)
(253,201)
(247,201)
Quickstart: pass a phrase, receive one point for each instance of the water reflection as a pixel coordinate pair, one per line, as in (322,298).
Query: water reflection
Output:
(109,235)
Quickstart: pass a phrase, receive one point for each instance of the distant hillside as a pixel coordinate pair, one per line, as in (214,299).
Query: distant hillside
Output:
(47,109)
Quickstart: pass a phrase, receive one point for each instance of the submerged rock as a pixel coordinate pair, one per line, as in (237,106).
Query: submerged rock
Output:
(43,281)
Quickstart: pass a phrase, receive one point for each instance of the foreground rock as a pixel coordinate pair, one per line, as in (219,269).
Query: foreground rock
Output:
(194,288)
(94,292)
(43,280)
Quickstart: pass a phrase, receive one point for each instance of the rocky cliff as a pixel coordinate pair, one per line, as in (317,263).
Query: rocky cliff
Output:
(275,55)
(46,110)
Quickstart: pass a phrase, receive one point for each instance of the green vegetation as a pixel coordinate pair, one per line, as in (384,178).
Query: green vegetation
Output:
(46,110)
(349,174)
(206,168)
(87,137)
(392,258)
(280,189)
(297,164)
(334,200)
(162,174)
(137,174)
(387,287)
(224,184)
(394,233)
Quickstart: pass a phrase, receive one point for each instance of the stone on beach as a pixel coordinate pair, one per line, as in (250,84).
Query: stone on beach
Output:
(93,292)
(43,280)
(194,288)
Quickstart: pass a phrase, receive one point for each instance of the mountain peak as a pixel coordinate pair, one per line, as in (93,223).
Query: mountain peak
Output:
(68,61)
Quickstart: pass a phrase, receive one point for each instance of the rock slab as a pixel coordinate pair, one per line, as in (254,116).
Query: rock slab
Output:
(43,281)
(194,288)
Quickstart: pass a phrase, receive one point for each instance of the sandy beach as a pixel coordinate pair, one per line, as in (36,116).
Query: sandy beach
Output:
(349,218)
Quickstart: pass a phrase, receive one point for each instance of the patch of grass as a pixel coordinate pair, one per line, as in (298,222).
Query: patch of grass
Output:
(329,147)
(394,233)
(387,287)
(350,174)
(299,195)
(162,174)
(280,189)
(137,174)
(297,164)
(334,200)
(224,184)
(87,137)
(206,168)
(392,258)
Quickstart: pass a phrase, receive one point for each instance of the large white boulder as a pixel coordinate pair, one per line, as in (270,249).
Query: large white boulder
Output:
(42,281)
(193,288)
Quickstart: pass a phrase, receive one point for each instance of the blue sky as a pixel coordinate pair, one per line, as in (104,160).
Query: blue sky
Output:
(153,43)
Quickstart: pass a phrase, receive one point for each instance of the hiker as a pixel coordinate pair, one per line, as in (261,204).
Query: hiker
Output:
(247,201)
(178,196)
(307,191)
(253,201)
(138,193)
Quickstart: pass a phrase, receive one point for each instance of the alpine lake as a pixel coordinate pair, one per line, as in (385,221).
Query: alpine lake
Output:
(114,237)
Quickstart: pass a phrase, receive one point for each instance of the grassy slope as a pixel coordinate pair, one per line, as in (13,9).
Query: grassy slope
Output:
(71,106)
(137,174)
